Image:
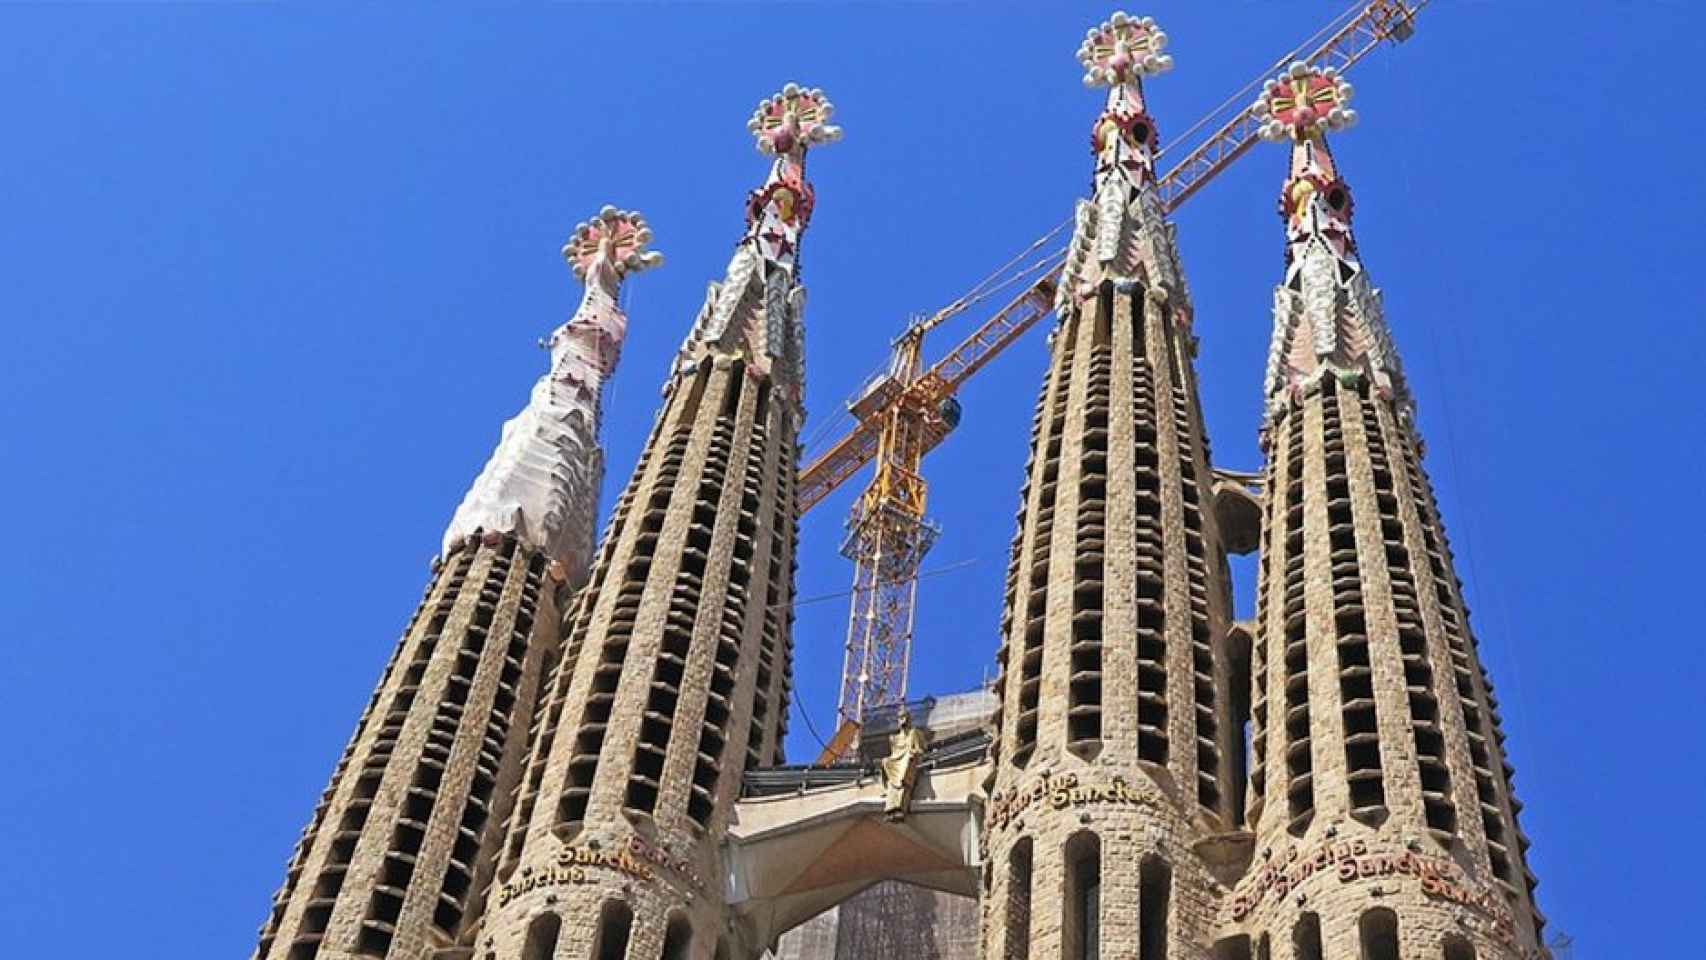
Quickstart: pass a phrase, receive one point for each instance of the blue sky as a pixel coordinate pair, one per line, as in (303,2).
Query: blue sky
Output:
(273,277)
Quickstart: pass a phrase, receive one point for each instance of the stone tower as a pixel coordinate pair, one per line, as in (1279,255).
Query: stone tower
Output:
(406,833)
(676,673)
(1376,742)
(1116,747)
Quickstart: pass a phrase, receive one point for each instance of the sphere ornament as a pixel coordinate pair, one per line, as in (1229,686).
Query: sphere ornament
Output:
(1304,102)
(1123,48)
(618,237)
(791,120)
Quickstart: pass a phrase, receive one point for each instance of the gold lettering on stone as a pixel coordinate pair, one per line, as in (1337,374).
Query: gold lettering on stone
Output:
(570,868)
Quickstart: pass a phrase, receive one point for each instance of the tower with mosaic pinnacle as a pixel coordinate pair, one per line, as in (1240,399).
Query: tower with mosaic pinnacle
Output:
(1113,676)
(407,832)
(1375,731)
(676,674)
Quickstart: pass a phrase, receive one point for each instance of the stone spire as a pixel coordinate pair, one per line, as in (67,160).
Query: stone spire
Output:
(1116,740)
(1327,316)
(541,483)
(677,660)
(758,309)
(1380,796)
(406,834)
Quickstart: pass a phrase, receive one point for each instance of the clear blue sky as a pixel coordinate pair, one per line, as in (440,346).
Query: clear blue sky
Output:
(273,277)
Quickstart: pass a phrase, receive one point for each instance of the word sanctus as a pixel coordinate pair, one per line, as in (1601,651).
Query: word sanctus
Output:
(1060,793)
(571,868)
(1353,861)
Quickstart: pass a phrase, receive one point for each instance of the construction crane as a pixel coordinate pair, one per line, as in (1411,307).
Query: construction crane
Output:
(907,410)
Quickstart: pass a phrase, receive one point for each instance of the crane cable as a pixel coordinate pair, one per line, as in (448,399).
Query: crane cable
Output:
(979,292)
(1244,91)
(799,701)
(1046,263)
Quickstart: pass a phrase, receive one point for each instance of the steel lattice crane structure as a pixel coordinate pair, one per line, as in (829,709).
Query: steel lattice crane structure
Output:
(907,410)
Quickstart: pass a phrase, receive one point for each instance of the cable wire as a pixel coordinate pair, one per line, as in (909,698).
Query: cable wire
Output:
(799,705)
(977,292)
(922,575)
(1244,91)
(798,701)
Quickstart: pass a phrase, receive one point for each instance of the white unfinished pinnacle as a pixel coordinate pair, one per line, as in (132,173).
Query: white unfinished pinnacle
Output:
(542,481)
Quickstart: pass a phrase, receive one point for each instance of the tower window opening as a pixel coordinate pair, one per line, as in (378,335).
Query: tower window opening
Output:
(1242,724)
(731,394)
(1139,342)
(542,934)
(615,922)
(678,938)
(1306,937)
(1082,933)
(1378,930)
(1101,330)
(1458,948)
(1019,901)
(1154,897)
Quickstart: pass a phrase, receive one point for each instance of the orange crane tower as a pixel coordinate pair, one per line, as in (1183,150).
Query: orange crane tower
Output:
(907,410)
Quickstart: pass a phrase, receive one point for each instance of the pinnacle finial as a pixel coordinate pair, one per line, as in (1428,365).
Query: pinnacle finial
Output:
(1123,48)
(1304,102)
(618,237)
(792,120)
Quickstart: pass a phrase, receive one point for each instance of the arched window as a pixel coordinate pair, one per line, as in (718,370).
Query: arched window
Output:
(1306,937)
(1019,900)
(615,921)
(541,940)
(1154,894)
(1083,930)
(678,939)
(1457,948)
(1379,932)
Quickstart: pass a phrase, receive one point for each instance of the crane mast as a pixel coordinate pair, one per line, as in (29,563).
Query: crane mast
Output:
(906,411)
(887,535)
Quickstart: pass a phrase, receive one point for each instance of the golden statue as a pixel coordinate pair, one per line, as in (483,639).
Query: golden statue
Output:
(900,767)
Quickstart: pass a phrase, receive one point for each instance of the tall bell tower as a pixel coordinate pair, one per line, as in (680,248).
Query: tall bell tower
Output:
(407,831)
(1377,749)
(1115,741)
(676,674)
